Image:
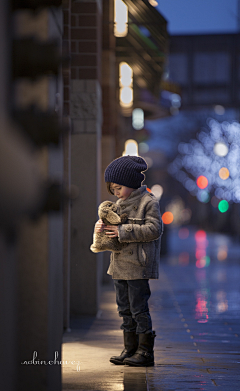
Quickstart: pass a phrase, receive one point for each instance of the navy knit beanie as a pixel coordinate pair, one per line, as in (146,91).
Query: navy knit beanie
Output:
(126,171)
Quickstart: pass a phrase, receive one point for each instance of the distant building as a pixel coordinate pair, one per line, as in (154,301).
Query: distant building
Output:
(207,69)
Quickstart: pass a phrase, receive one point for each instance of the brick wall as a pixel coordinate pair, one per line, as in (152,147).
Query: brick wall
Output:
(85,40)
(66,42)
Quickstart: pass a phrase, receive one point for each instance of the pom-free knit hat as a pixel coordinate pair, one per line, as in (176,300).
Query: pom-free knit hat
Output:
(126,171)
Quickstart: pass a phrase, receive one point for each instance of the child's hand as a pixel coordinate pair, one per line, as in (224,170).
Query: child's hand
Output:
(99,226)
(111,231)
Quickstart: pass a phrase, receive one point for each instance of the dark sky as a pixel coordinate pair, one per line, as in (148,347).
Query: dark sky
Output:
(200,16)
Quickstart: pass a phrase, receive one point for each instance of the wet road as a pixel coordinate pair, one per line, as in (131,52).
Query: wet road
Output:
(195,307)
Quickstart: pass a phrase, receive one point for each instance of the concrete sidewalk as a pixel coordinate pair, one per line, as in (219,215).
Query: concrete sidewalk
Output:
(90,344)
(196,315)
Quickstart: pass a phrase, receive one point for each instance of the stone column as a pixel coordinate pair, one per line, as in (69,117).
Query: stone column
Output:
(110,107)
(40,242)
(86,115)
(67,163)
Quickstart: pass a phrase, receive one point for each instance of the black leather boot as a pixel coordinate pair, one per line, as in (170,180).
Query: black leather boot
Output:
(131,345)
(144,356)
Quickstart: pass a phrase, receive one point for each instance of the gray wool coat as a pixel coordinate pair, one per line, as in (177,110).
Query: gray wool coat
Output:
(141,235)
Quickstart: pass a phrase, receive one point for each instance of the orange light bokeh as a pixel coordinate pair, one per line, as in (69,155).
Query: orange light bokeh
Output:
(167,218)
(222,253)
(202,182)
(224,173)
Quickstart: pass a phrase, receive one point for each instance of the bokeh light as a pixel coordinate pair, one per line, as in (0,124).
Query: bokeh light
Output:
(203,196)
(222,253)
(202,259)
(220,110)
(203,262)
(202,182)
(223,206)
(143,147)
(120,18)
(157,190)
(183,258)
(131,148)
(220,149)
(167,218)
(183,233)
(186,215)
(138,119)
(215,155)
(202,304)
(200,235)
(224,173)
(214,201)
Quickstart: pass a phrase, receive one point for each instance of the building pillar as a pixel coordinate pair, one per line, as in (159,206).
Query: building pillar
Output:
(86,115)
(40,241)
(67,163)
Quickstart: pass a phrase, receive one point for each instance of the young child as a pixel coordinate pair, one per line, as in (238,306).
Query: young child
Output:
(138,261)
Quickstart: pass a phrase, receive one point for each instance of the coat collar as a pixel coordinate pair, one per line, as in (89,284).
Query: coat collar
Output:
(134,196)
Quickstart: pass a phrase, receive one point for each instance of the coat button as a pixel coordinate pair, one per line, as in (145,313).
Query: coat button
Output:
(135,207)
(123,207)
(130,252)
(128,229)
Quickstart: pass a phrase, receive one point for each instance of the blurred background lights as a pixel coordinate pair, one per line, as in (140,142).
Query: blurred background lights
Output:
(220,110)
(126,74)
(154,3)
(120,18)
(167,218)
(224,173)
(220,149)
(223,206)
(131,148)
(222,253)
(176,101)
(183,233)
(149,161)
(183,258)
(143,147)
(202,182)
(126,96)
(203,196)
(125,85)
(185,216)
(200,236)
(157,190)
(214,201)
(203,262)
(215,155)
(138,119)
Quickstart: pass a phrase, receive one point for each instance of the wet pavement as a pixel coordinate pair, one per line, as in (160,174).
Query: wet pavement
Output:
(195,308)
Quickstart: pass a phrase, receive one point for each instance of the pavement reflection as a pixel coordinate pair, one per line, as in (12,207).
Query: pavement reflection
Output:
(196,310)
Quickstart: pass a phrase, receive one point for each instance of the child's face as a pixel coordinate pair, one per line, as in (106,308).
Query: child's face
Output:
(122,192)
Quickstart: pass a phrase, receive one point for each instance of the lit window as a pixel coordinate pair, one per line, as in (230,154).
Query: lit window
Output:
(138,119)
(125,84)
(120,19)
(131,148)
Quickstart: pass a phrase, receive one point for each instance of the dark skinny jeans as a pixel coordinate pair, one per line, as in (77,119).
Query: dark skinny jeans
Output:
(132,300)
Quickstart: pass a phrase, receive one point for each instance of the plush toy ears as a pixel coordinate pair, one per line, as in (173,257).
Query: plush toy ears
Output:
(113,218)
